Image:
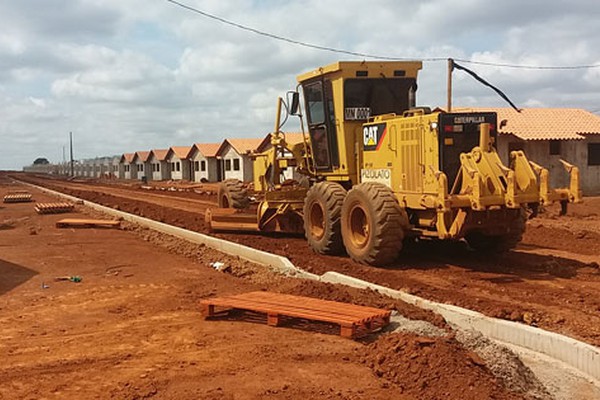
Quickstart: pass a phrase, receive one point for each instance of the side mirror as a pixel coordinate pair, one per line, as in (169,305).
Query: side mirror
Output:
(295,103)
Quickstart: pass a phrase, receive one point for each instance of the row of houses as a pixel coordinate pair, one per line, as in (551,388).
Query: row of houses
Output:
(547,135)
(201,162)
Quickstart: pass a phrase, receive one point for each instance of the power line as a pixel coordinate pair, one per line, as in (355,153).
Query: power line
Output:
(520,66)
(366,55)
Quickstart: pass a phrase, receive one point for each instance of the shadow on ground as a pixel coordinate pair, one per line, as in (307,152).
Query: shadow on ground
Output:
(13,275)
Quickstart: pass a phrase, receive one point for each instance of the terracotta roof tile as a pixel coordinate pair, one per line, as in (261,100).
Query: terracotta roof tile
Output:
(128,157)
(160,154)
(181,152)
(208,149)
(244,146)
(545,123)
(143,155)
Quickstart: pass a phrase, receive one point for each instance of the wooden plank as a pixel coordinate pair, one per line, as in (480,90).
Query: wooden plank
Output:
(332,307)
(353,320)
(17,198)
(290,311)
(54,208)
(322,304)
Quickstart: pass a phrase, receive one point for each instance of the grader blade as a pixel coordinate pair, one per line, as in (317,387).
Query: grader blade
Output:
(230,219)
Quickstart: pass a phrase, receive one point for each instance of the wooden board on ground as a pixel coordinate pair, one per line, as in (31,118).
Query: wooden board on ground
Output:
(87,223)
(354,321)
(18,197)
(54,208)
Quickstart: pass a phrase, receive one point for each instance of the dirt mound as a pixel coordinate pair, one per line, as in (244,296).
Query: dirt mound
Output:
(504,364)
(433,368)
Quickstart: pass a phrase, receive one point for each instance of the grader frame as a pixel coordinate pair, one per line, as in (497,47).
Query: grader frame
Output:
(378,171)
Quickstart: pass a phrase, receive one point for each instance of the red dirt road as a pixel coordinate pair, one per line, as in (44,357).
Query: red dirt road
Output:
(551,281)
(132,328)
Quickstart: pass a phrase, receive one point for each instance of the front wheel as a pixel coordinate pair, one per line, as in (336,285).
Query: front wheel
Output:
(373,224)
(232,194)
(322,212)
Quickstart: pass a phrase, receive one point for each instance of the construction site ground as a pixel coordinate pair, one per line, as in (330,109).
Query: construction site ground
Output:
(132,328)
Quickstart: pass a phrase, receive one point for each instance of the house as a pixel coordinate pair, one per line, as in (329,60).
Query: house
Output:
(236,161)
(291,138)
(547,135)
(129,169)
(88,168)
(204,163)
(177,157)
(141,164)
(115,167)
(159,166)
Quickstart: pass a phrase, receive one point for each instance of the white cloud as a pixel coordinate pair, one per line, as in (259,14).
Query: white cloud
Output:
(133,75)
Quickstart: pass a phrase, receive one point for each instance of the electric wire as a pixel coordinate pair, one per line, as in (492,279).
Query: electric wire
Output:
(373,56)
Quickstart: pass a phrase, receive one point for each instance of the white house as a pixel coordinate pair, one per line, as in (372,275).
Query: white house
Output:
(159,166)
(235,155)
(177,157)
(129,168)
(141,164)
(203,159)
(547,135)
(115,167)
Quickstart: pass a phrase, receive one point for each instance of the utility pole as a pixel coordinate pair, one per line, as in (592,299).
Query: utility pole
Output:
(71,147)
(449,94)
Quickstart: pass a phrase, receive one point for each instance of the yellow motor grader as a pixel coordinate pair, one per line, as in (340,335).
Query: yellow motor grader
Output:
(377,170)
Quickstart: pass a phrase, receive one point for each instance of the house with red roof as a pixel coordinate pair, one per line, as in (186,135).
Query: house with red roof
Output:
(159,166)
(142,166)
(204,163)
(547,135)
(236,161)
(177,157)
(128,166)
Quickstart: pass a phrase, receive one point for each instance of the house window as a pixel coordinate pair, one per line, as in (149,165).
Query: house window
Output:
(554,147)
(178,166)
(157,167)
(196,166)
(203,165)
(227,165)
(593,153)
(236,164)
(172,166)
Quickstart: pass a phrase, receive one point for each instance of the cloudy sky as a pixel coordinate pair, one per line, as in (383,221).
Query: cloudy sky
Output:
(128,75)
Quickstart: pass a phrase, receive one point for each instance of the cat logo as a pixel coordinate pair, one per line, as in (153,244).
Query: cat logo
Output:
(373,136)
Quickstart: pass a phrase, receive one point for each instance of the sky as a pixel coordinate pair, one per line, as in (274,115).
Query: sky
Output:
(131,75)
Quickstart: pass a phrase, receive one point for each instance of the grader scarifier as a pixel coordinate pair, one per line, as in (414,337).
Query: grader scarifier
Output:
(377,170)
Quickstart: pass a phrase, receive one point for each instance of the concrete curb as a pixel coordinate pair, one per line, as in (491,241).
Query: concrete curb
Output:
(582,356)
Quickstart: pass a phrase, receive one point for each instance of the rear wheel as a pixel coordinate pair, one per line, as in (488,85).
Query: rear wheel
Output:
(232,194)
(322,212)
(481,242)
(373,224)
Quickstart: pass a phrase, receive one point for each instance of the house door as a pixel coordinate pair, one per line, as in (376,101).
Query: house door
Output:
(220,169)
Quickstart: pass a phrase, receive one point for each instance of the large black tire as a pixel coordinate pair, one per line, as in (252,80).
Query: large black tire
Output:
(232,194)
(373,224)
(322,212)
(483,243)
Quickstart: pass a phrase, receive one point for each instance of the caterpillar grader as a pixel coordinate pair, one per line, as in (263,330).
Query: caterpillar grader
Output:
(377,170)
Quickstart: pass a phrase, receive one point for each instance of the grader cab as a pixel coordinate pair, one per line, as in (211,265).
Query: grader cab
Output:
(379,170)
